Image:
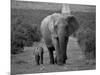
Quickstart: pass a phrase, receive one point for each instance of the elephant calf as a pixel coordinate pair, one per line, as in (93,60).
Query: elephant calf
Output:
(39,55)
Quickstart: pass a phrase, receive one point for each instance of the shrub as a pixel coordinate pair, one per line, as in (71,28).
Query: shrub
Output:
(87,41)
(86,33)
(23,34)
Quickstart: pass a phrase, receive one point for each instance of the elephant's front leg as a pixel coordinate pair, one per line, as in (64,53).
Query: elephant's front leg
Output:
(41,58)
(51,54)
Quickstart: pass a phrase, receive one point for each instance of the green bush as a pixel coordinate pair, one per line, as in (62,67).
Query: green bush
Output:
(86,33)
(23,34)
(87,41)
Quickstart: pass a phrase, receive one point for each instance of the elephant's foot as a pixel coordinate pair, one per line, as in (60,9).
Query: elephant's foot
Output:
(64,61)
(55,61)
(38,64)
(41,62)
(66,58)
(52,62)
(59,62)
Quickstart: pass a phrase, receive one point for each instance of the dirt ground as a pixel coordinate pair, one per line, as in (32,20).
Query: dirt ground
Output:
(24,63)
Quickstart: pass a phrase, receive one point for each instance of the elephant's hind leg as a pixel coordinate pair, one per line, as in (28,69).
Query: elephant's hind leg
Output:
(51,49)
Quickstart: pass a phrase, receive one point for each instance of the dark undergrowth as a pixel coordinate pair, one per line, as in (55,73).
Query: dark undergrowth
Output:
(86,34)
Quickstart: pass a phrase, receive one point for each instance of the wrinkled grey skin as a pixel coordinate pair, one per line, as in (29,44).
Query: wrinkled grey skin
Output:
(56,29)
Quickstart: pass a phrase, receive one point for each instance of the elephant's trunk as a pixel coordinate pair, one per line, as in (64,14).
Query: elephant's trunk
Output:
(63,47)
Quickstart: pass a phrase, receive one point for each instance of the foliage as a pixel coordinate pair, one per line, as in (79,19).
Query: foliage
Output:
(87,41)
(23,34)
(86,34)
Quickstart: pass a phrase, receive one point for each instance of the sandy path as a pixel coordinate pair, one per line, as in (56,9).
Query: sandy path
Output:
(25,63)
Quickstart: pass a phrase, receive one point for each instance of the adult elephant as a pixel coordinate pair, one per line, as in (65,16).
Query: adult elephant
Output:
(56,29)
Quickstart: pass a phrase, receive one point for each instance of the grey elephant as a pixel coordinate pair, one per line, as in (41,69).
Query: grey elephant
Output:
(56,29)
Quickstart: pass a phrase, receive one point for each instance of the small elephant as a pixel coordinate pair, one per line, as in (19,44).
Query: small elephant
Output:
(39,55)
(56,29)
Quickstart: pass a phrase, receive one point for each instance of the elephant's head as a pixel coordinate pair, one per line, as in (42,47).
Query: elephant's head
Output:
(63,27)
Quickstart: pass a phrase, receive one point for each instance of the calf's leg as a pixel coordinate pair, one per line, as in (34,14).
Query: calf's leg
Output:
(37,59)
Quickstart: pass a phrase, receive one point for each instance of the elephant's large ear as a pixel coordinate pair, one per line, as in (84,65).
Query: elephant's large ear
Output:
(73,24)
